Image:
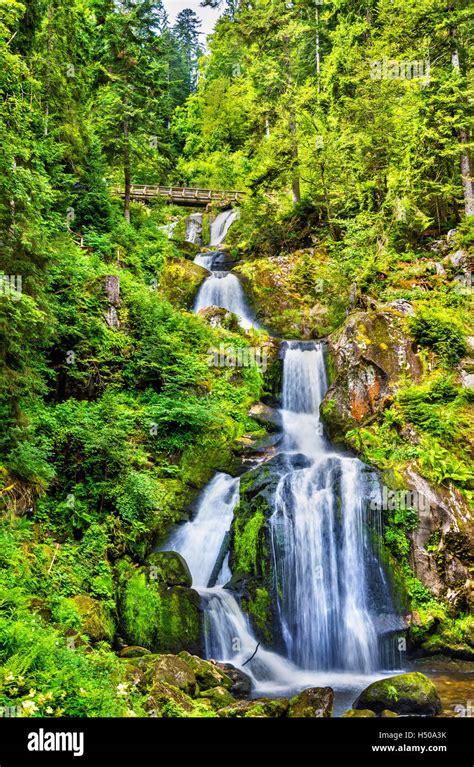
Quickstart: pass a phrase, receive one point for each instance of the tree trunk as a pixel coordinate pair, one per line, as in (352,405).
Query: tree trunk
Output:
(295,180)
(466,166)
(48,65)
(126,171)
(318,52)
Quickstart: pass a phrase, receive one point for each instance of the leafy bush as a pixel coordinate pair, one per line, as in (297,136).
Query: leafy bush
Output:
(432,329)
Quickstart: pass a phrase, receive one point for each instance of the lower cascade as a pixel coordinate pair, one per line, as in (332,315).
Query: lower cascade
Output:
(329,587)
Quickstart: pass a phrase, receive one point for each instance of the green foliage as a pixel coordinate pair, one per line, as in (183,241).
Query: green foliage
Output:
(431,329)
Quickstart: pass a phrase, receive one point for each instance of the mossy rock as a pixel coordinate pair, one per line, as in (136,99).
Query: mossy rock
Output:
(411,693)
(95,619)
(386,714)
(168,701)
(271,708)
(362,713)
(241,682)
(454,638)
(180,280)
(218,697)
(217,317)
(207,674)
(133,651)
(315,702)
(170,568)
(370,355)
(173,670)
(160,618)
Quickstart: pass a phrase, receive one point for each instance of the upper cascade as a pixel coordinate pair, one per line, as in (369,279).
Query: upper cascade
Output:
(221,225)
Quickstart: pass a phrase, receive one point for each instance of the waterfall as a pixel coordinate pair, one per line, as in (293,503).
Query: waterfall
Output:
(194,228)
(205,260)
(224,289)
(221,225)
(228,634)
(333,604)
(168,229)
(199,541)
(324,565)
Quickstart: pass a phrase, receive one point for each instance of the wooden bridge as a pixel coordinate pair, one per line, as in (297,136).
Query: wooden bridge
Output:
(181,195)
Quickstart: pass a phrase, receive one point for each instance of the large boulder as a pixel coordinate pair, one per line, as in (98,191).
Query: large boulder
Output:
(157,614)
(368,357)
(250,547)
(169,567)
(217,317)
(218,697)
(442,551)
(411,693)
(241,683)
(315,702)
(208,675)
(172,670)
(266,415)
(180,280)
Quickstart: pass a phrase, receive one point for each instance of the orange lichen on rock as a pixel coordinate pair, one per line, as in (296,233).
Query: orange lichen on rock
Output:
(373,391)
(359,406)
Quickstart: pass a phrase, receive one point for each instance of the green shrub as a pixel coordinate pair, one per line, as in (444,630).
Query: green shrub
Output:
(433,330)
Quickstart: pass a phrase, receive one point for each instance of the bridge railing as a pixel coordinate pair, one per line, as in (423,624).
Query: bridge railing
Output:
(180,192)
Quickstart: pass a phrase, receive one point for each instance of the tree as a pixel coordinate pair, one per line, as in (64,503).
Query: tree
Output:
(186,32)
(131,104)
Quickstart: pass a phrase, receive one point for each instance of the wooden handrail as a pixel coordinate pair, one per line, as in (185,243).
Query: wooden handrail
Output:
(179,190)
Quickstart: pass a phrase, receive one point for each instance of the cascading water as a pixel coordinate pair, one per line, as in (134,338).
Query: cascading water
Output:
(222,288)
(326,573)
(168,229)
(333,603)
(194,228)
(329,587)
(228,635)
(221,225)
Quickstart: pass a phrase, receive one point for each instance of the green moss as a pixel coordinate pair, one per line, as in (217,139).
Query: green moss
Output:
(259,609)
(206,228)
(246,542)
(159,618)
(440,331)
(453,637)
(87,616)
(218,697)
(330,370)
(180,281)
(411,693)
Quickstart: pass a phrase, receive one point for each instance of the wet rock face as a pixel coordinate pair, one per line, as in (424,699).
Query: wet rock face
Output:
(369,356)
(241,684)
(445,513)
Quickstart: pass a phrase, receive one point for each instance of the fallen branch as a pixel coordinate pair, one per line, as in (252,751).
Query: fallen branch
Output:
(252,656)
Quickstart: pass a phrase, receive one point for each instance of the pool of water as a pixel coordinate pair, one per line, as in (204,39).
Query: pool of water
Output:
(453,679)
